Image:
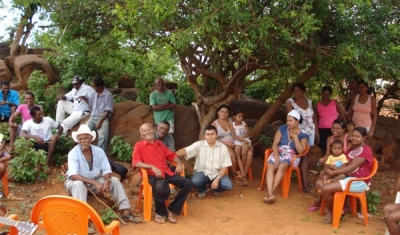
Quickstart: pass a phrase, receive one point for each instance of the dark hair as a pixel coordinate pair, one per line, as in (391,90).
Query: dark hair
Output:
(361,130)
(33,110)
(363,82)
(237,111)
(165,122)
(30,93)
(222,106)
(210,128)
(350,122)
(340,122)
(336,142)
(98,82)
(5,83)
(326,88)
(300,85)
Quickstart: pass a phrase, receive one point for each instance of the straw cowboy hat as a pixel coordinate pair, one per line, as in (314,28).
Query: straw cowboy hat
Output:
(83,129)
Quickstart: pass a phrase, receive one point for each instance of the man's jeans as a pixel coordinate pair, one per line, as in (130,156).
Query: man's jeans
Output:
(200,181)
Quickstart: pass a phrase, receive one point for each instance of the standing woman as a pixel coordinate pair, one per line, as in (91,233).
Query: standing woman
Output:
(303,105)
(326,111)
(360,165)
(363,109)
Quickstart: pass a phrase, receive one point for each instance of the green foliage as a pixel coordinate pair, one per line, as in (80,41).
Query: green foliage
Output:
(118,98)
(185,95)
(45,95)
(107,215)
(64,145)
(121,149)
(24,166)
(373,200)
(266,140)
(5,130)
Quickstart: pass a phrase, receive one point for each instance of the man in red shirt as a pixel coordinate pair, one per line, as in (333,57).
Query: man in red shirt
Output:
(152,155)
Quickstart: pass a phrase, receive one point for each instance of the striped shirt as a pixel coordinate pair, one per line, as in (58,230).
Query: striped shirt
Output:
(209,160)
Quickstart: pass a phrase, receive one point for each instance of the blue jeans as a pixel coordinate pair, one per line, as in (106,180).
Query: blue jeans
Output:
(102,133)
(200,181)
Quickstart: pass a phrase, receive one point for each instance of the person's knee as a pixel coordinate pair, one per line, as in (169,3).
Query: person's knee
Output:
(282,166)
(188,184)
(197,179)
(78,185)
(226,184)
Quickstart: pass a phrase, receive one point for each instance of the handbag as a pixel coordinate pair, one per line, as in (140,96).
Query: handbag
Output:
(118,168)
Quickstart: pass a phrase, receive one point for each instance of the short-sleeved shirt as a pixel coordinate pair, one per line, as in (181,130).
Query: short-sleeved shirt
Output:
(77,164)
(155,154)
(12,97)
(84,90)
(23,109)
(342,159)
(42,130)
(168,141)
(285,140)
(102,103)
(209,160)
(365,168)
(157,98)
(307,126)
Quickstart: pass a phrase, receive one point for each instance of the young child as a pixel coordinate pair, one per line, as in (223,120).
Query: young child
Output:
(336,160)
(349,127)
(240,132)
(4,157)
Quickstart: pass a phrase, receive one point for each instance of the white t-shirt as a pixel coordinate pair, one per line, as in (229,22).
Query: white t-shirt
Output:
(81,105)
(43,129)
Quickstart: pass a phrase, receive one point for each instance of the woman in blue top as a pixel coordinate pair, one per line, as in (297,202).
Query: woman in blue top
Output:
(288,141)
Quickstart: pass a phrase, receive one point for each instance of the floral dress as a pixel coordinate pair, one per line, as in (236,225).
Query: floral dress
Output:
(307,126)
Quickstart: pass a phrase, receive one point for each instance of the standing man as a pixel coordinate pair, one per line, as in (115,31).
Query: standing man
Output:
(162,134)
(24,111)
(9,101)
(88,167)
(76,103)
(162,101)
(152,155)
(102,103)
(40,129)
(212,162)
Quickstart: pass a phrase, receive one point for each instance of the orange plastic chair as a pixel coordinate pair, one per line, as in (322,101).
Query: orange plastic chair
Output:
(13,230)
(67,215)
(146,191)
(340,197)
(5,181)
(288,173)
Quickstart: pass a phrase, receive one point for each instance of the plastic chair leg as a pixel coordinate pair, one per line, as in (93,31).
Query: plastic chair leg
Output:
(148,199)
(300,185)
(250,172)
(286,183)
(5,183)
(364,210)
(264,175)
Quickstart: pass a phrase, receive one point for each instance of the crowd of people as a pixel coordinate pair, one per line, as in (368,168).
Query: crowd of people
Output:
(226,144)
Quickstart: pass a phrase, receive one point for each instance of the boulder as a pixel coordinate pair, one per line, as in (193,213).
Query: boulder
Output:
(126,82)
(5,73)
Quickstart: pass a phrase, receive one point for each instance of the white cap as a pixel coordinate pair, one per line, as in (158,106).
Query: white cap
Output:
(294,114)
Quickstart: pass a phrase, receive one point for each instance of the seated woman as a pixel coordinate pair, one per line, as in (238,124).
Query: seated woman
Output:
(288,141)
(360,165)
(391,214)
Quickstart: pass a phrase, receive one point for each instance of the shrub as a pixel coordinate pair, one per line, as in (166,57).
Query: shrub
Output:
(64,145)
(121,149)
(5,130)
(373,200)
(24,167)
(185,95)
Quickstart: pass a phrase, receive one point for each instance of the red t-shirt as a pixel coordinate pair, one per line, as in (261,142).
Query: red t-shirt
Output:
(365,168)
(155,154)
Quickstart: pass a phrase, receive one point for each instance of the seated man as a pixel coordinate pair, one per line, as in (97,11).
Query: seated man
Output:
(212,162)
(22,110)
(88,167)
(77,103)
(9,101)
(162,134)
(39,128)
(152,155)
(391,214)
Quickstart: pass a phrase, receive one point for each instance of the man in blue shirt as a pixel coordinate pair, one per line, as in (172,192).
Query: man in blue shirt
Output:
(9,101)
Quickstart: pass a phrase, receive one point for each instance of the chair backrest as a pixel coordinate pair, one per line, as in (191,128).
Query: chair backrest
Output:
(65,215)
(305,151)
(374,169)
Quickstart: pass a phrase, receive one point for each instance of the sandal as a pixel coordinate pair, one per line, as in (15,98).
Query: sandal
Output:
(159,219)
(131,218)
(327,219)
(314,206)
(245,182)
(238,181)
(269,200)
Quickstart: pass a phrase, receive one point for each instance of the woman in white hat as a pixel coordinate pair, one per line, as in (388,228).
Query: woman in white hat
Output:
(288,141)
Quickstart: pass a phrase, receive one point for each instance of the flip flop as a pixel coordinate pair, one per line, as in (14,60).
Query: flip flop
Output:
(313,208)
(269,200)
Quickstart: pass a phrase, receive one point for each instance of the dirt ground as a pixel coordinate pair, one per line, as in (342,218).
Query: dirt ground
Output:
(240,211)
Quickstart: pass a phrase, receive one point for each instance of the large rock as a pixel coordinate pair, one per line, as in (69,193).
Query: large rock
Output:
(5,74)
(24,65)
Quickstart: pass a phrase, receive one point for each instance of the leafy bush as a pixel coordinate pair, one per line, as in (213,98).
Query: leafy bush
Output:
(5,130)
(24,167)
(373,200)
(266,140)
(107,215)
(185,95)
(64,145)
(121,149)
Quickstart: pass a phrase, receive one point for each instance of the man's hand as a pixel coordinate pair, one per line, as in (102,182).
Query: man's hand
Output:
(215,183)
(97,126)
(179,168)
(3,102)
(156,171)
(106,186)
(99,187)
(39,140)
(12,124)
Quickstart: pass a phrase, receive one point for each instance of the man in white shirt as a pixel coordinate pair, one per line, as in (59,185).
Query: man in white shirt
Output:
(77,103)
(212,162)
(40,129)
